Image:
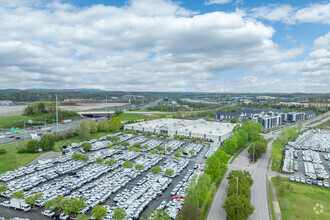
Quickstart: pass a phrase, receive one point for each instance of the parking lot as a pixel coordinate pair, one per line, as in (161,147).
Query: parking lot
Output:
(136,191)
(308,158)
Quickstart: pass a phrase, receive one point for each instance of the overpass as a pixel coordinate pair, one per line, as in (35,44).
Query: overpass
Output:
(96,114)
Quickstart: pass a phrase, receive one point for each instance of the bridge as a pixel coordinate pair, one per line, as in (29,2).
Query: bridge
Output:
(96,114)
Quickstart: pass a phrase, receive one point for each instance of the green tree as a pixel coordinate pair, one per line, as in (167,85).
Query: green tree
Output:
(130,148)
(139,166)
(84,130)
(178,114)
(115,124)
(159,214)
(125,144)
(137,149)
(137,145)
(32,146)
(57,203)
(111,162)
(182,150)
(169,172)
(93,126)
(86,146)
(146,146)
(99,212)
(74,205)
(99,160)
(152,151)
(181,138)
(230,146)
(119,214)
(18,194)
(169,149)
(47,142)
(3,188)
(259,149)
(192,151)
(177,154)
(32,199)
(233,120)
(193,139)
(238,207)
(189,211)
(127,164)
(156,169)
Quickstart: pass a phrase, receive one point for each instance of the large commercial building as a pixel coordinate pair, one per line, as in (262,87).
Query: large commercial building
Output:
(268,118)
(201,129)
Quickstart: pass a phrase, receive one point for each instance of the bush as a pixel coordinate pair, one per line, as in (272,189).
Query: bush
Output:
(22,150)
(32,146)
(152,151)
(137,149)
(160,152)
(156,170)
(3,151)
(177,154)
(169,149)
(193,139)
(109,146)
(80,157)
(182,150)
(130,148)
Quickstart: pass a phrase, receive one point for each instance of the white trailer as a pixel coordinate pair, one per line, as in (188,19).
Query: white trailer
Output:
(17,203)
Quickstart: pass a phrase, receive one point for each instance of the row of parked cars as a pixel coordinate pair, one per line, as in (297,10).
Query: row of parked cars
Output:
(151,143)
(174,144)
(309,181)
(176,165)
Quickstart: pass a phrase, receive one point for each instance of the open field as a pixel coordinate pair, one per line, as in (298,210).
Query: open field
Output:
(130,117)
(6,121)
(16,109)
(299,203)
(90,106)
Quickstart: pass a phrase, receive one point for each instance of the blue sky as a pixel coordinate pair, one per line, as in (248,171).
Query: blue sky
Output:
(164,45)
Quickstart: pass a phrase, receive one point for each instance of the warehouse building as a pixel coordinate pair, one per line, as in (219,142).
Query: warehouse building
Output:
(201,129)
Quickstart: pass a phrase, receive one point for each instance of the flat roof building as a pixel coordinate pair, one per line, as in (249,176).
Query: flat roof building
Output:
(201,129)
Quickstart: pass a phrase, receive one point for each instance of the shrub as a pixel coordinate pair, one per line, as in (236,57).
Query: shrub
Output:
(182,150)
(80,157)
(22,150)
(109,146)
(177,154)
(152,151)
(111,162)
(130,148)
(193,139)
(169,149)
(3,151)
(160,152)
(169,172)
(137,149)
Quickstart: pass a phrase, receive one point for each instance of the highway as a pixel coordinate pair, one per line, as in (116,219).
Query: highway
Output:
(259,172)
(46,129)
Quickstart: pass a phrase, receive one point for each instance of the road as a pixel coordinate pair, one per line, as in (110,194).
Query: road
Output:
(47,129)
(259,173)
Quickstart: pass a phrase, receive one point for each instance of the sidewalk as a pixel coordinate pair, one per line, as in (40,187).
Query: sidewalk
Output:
(276,205)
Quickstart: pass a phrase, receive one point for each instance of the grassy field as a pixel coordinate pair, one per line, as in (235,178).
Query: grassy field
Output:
(271,200)
(6,121)
(299,203)
(130,117)
(12,160)
(324,125)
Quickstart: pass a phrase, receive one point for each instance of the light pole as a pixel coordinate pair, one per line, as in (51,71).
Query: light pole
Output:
(236,185)
(56,115)
(253,152)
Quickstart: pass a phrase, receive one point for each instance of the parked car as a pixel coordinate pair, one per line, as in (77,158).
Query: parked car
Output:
(292,178)
(48,213)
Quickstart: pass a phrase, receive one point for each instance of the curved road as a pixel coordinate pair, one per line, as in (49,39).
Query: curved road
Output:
(259,172)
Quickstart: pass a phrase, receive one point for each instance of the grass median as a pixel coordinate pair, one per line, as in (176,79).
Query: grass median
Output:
(297,201)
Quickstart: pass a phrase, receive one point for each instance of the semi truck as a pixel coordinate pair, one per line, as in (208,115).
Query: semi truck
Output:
(66,121)
(17,203)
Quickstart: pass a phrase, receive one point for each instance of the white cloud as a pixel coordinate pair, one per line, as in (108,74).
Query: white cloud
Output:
(314,13)
(211,2)
(106,47)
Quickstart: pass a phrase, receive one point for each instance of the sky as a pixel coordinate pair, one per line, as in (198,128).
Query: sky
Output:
(166,45)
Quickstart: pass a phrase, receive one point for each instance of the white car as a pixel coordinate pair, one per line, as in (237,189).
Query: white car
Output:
(5,204)
(48,213)
(64,216)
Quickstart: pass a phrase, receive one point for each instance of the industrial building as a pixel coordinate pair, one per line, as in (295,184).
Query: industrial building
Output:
(201,129)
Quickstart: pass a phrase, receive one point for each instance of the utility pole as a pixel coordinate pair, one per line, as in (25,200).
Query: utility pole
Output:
(237,185)
(56,115)
(253,152)
(106,107)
